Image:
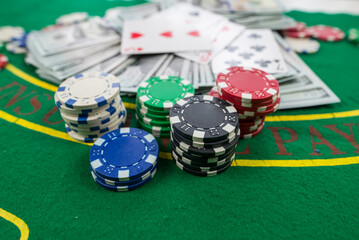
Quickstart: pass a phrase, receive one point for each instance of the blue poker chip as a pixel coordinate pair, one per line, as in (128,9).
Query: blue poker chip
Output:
(124,183)
(124,154)
(126,188)
(99,123)
(79,137)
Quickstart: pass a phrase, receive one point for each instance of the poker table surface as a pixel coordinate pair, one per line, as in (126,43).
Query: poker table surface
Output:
(298,179)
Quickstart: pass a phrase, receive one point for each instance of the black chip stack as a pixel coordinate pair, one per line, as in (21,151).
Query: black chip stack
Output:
(204,134)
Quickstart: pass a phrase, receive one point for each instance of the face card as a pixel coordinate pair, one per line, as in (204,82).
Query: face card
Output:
(255,48)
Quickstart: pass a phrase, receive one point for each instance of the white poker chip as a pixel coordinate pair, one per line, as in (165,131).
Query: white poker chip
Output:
(88,90)
(303,45)
(72,18)
(9,32)
(13,47)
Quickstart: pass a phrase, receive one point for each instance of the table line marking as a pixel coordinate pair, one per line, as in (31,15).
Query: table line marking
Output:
(19,223)
(166,155)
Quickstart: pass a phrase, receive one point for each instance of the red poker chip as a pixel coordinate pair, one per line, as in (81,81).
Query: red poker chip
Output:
(251,135)
(251,123)
(245,113)
(298,34)
(3,61)
(326,33)
(299,26)
(250,104)
(251,129)
(259,109)
(249,85)
(214,93)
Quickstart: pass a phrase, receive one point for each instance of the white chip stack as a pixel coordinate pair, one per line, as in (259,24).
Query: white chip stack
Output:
(90,104)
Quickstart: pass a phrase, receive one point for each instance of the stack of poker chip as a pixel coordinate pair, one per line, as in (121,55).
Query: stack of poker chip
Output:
(124,159)
(204,135)
(155,97)
(17,45)
(90,105)
(253,93)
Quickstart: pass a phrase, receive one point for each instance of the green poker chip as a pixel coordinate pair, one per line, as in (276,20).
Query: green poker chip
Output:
(150,110)
(155,131)
(152,116)
(2,46)
(152,122)
(161,93)
(353,35)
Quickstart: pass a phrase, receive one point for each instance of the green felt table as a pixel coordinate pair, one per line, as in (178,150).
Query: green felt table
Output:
(298,179)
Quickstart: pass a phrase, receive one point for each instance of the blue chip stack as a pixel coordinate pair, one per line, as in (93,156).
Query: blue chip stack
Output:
(124,159)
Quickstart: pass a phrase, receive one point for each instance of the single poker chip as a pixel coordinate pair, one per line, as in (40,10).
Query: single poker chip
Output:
(219,163)
(326,33)
(254,113)
(88,90)
(258,109)
(113,125)
(9,32)
(245,125)
(153,116)
(125,188)
(299,26)
(252,129)
(303,45)
(253,105)
(152,122)
(203,118)
(151,111)
(100,129)
(3,61)
(210,161)
(124,154)
(114,108)
(203,174)
(13,47)
(206,151)
(353,35)
(72,18)
(155,130)
(79,137)
(100,122)
(298,34)
(84,112)
(124,183)
(251,135)
(200,169)
(197,144)
(161,93)
(249,85)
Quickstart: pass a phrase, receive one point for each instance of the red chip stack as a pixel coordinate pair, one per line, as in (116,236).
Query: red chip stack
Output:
(253,92)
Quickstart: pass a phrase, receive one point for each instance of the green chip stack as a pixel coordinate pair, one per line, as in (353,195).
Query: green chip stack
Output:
(155,98)
(353,36)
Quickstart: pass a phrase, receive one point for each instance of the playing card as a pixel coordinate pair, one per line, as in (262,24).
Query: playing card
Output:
(223,34)
(162,34)
(255,48)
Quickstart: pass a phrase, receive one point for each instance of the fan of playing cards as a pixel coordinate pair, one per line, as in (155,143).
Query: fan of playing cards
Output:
(178,39)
